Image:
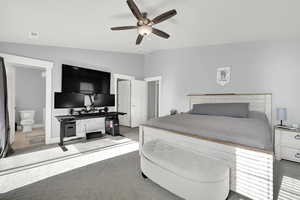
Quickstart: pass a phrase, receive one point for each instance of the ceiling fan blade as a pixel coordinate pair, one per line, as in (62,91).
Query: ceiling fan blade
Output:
(134,9)
(119,28)
(164,16)
(139,39)
(160,33)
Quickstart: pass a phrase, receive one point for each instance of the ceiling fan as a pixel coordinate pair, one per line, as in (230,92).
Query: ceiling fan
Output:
(144,25)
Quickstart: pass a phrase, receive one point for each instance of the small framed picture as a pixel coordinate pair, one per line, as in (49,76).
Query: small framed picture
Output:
(223,75)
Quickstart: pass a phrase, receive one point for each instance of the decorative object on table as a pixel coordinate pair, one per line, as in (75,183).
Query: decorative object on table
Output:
(281,116)
(173,112)
(223,75)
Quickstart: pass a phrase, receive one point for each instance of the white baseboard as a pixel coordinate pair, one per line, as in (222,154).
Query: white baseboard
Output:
(38,126)
(19,127)
(56,140)
(52,140)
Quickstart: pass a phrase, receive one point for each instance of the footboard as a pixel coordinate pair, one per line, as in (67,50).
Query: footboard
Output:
(251,170)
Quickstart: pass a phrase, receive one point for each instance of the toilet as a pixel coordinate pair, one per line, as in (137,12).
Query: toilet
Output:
(27,120)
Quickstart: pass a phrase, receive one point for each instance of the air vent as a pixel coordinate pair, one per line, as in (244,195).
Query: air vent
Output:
(33,35)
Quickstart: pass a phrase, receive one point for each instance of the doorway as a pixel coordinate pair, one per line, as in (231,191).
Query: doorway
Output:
(36,64)
(124,101)
(153,97)
(131,98)
(26,103)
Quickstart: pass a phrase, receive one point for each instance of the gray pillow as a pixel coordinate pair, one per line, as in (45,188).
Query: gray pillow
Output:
(240,110)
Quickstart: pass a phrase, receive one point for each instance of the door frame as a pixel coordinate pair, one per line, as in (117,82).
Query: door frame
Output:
(159,79)
(126,90)
(117,77)
(46,65)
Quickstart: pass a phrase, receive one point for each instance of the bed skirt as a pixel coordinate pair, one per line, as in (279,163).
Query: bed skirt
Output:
(251,169)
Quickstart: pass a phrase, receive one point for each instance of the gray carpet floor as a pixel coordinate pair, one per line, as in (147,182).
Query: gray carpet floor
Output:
(114,179)
(118,178)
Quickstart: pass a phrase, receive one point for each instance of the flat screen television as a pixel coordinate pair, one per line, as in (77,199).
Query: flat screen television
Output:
(68,100)
(103,100)
(84,81)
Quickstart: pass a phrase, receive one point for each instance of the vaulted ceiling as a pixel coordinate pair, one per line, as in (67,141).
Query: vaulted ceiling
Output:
(86,23)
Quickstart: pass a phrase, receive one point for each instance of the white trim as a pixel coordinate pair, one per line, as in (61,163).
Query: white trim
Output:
(115,86)
(47,65)
(53,140)
(26,61)
(159,79)
(155,78)
(38,126)
(115,81)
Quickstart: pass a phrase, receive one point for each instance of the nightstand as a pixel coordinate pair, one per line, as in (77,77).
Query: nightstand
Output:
(287,144)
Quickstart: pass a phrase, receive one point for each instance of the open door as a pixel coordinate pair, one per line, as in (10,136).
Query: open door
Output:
(4,119)
(11,102)
(138,102)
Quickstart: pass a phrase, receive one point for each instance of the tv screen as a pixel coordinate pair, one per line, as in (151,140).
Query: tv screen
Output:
(85,81)
(103,100)
(68,100)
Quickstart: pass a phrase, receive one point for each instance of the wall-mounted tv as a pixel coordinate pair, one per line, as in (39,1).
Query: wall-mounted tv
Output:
(84,81)
(68,100)
(103,100)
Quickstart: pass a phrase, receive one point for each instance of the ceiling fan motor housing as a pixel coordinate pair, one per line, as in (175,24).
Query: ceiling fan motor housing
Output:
(144,30)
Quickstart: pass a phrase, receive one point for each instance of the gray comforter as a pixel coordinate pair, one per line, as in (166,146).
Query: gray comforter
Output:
(253,131)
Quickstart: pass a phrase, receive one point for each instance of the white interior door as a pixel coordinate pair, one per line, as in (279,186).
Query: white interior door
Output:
(11,93)
(138,102)
(124,104)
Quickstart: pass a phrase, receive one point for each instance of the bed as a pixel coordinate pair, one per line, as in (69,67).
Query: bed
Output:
(245,145)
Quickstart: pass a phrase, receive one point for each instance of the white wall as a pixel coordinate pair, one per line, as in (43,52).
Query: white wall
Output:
(256,67)
(30,92)
(121,63)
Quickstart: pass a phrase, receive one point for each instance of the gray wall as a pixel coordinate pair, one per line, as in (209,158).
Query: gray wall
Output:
(256,67)
(121,63)
(152,99)
(30,92)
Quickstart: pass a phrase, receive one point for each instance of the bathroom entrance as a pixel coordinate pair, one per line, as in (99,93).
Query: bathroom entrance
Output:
(26,99)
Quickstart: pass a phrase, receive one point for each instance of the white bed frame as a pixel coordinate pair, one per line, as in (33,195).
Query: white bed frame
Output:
(251,168)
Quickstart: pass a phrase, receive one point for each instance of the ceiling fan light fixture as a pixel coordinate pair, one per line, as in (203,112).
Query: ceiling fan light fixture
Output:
(144,30)
(144,25)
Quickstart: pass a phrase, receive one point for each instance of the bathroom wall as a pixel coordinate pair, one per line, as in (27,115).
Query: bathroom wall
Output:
(30,92)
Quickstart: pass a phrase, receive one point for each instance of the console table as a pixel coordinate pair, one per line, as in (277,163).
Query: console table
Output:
(68,124)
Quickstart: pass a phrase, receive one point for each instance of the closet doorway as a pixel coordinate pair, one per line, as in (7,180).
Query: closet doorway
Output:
(124,101)
(153,97)
(131,98)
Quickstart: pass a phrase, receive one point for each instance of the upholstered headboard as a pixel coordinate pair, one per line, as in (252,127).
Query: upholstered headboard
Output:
(257,102)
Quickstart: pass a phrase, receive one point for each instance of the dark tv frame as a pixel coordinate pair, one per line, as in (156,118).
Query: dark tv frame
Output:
(108,98)
(74,103)
(66,89)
